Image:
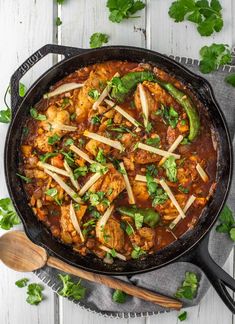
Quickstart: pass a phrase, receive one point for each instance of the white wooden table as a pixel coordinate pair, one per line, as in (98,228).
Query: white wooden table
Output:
(25,26)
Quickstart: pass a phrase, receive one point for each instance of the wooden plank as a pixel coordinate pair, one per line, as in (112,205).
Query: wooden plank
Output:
(25,26)
(80,20)
(183,39)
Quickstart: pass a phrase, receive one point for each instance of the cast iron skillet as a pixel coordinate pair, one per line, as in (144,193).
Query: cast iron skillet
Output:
(190,247)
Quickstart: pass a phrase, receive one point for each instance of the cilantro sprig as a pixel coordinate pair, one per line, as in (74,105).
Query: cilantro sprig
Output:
(230,79)
(98,39)
(189,286)
(70,288)
(205,14)
(34,292)
(227,223)
(119,296)
(8,216)
(123,9)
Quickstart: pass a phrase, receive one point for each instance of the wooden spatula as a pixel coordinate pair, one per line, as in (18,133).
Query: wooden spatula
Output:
(20,254)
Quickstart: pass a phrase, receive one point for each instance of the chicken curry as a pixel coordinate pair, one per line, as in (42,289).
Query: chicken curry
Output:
(118,159)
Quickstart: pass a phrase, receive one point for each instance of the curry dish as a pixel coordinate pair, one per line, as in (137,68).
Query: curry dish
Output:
(118,159)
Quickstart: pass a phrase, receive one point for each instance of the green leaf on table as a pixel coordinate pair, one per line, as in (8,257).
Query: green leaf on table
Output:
(123,9)
(230,79)
(34,292)
(119,296)
(98,39)
(8,216)
(214,56)
(205,14)
(171,169)
(227,223)
(70,288)
(5,116)
(183,316)
(22,282)
(189,287)
(58,21)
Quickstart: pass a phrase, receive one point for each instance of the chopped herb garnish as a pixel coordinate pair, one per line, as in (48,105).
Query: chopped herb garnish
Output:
(183,316)
(155,141)
(119,296)
(183,122)
(53,193)
(100,157)
(34,294)
(183,189)
(171,169)
(94,94)
(53,139)
(189,286)
(137,252)
(157,194)
(25,179)
(69,157)
(8,216)
(97,168)
(58,21)
(73,116)
(22,90)
(169,115)
(70,288)
(98,39)
(95,120)
(44,157)
(69,142)
(151,168)
(34,113)
(22,282)
(138,220)
(149,127)
(185,141)
(80,172)
(65,102)
(25,131)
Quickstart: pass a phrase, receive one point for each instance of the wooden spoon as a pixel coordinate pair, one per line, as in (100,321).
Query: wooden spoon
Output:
(20,254)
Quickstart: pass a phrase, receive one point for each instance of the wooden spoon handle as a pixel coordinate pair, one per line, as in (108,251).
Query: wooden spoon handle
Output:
(116,284)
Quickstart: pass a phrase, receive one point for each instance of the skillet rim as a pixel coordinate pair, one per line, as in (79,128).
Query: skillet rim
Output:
(205,86)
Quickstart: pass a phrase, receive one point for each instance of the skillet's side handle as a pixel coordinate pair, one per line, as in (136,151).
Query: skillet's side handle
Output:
(30,62)
(216,275)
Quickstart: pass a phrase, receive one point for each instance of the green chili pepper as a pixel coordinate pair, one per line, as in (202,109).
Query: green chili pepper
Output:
(151,217)
(121,87)
(188,106)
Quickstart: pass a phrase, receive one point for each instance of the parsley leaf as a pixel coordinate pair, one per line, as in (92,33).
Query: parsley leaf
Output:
(69,142)
(206,15)
(171,169)
(53,193)
(123,9)
(226,223)
(189,286)
(34,113)
(169,115)
(138,220)
(70,288)
(97,168)
(155,141)
(137,252)
(34,294)
(183,316)
(58,21)
(22,282)
(214,56)
(94,94)
(100,157)
(119,296)
(97,40)
(5,116)
(157,194)
(8,216)
(81,171)
(53,139)
(230,79)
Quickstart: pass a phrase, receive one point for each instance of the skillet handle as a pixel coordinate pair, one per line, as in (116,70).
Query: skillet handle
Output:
(30,62)
(216,275)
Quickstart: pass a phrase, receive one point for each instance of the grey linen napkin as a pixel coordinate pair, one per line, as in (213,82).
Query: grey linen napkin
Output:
(166,280)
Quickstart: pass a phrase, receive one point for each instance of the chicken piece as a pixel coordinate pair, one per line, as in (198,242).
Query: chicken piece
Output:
(129,164)
(117,119)
(102,73)
(144,157)
(152,103)
(93,147)
(144,238)
(127,140)
(113,235)
(54,114)
(41,143)
(80,212)
(171,135)
(168,211)
(68,233)
(140,191)
(187,173)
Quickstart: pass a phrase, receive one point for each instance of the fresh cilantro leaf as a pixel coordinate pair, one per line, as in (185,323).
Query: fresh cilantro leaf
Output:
(53,193)
(58,21)
(183,316)
(69,142)
(94,94)
(80,172)
(169,115)
(129,229)
(70,288)
(119,296)
(8,216)
(151,169)
(137,252)
(189,286)
(34,294)
(34,113)
(149,127)
(171,169)
(53,139)
(100,157)
(123,9)
(214,56)
(95,120)
(206,15)
(230,79)
(155,141)
(22,89)
(27,180)
(159,198)
(183,189)
(5,116)
(73,116)
(22,282)
(97,40)
(113,253)
(138,220)
(97,168)
(44,157)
